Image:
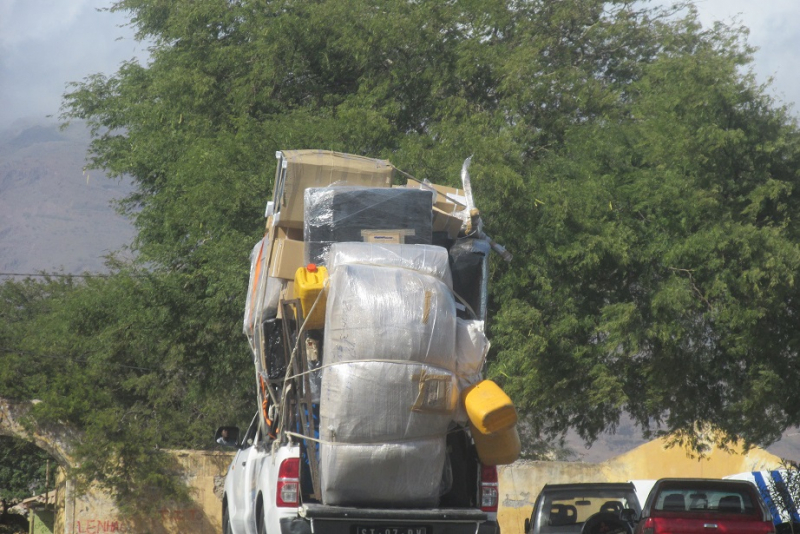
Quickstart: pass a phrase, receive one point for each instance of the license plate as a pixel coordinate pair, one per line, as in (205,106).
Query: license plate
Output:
(394,529)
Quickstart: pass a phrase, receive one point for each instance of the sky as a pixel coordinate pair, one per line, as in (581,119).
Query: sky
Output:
(46,43)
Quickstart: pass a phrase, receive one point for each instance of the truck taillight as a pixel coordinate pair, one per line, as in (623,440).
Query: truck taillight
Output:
(649,526)
(288,491)
(489,493)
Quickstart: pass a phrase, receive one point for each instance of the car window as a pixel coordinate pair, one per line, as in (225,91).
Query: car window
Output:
(250,435)
(705,499)
(565,511)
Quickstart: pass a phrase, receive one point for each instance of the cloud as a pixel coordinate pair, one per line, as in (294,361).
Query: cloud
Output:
(23,21)
(44,44)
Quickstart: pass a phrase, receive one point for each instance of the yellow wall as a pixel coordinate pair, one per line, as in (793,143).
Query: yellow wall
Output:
(203,473)
(521,482)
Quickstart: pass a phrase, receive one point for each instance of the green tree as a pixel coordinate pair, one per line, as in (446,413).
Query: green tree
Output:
(643,180)
(23,470)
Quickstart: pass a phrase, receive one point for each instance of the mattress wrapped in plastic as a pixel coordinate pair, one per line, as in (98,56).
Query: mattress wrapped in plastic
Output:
(394,474)
(339,214)
(373,402)
(427,259)
(385,313)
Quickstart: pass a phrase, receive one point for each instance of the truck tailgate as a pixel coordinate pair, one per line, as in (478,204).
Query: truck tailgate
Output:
(347,520)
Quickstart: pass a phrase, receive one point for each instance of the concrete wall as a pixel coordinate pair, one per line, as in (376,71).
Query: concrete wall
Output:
(521,482)
(203,472)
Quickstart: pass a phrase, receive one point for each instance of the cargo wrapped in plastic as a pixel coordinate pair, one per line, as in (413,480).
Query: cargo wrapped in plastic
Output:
(268,296)
(395,474)
(472,346)
(372,215)
(471,349)
(426,259)
(386,313)
(373,402)
(257,266)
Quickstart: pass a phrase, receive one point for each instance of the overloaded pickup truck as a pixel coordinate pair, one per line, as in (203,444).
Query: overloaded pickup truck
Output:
(704,506)
(366,315)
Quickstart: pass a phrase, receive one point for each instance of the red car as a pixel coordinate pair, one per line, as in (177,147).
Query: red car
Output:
(704,506)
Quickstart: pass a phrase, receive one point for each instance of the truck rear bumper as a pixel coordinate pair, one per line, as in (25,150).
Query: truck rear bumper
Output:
(320,519)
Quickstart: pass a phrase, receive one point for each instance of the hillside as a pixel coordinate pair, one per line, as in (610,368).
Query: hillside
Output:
(55,216)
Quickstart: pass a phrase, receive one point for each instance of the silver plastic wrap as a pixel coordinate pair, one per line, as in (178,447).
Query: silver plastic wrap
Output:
(374,402)
(257,256)
(426,259)
(471,349)
(472,346)
(385,313)
(345,214)
(270,295)
(399,474)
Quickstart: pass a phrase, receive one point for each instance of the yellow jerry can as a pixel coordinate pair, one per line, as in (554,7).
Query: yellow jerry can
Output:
(499,448)
(488,407)
(309,284)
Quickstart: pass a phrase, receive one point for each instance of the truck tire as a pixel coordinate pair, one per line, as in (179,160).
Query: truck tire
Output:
(226,520)
(260,527)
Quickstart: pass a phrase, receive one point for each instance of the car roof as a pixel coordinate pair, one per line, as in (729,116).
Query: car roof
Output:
(590,485)
(702,482)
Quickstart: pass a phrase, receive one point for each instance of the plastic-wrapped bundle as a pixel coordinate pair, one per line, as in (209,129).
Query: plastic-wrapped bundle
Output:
(427,259)
(471,349)
(386,313)
(338,214)
(257,259)
(371,402)
(401,474)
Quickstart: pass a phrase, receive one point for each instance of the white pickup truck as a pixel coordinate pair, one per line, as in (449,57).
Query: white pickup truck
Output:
(314,459)
(263,494)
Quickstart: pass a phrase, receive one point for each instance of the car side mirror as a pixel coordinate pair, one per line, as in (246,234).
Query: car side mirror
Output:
(227,436)
(527,524)
(629,515)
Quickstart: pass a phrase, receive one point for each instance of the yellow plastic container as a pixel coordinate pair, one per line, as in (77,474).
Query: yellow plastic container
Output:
(488,407)
(499,448)
(309,283)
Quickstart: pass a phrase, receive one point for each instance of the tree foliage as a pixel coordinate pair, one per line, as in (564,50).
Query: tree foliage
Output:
(23,470)
(644,181)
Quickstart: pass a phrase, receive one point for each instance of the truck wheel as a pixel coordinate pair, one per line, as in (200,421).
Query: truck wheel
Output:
(226,520)
(260,527)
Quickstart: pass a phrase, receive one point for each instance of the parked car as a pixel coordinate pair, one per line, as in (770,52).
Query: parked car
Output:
(704,506)
(591,508)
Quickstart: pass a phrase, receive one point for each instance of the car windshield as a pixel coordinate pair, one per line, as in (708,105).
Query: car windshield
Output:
(564,511)
(729,500)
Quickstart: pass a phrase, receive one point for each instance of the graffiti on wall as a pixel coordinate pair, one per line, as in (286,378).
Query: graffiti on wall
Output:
(166,515)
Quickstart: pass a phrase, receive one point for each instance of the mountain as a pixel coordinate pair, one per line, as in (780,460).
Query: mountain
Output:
(54,215)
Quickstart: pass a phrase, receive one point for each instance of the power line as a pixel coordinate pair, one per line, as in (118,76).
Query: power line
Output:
(74,359)
(46,275)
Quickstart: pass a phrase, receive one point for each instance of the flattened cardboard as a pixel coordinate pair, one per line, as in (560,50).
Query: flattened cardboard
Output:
(448,199)
(442,222)
(321,168)
(287,253)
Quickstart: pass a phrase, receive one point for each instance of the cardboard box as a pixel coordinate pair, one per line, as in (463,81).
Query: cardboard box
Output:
(448,199)
(442,222)
(287,253)
(386,236)
(301,169)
